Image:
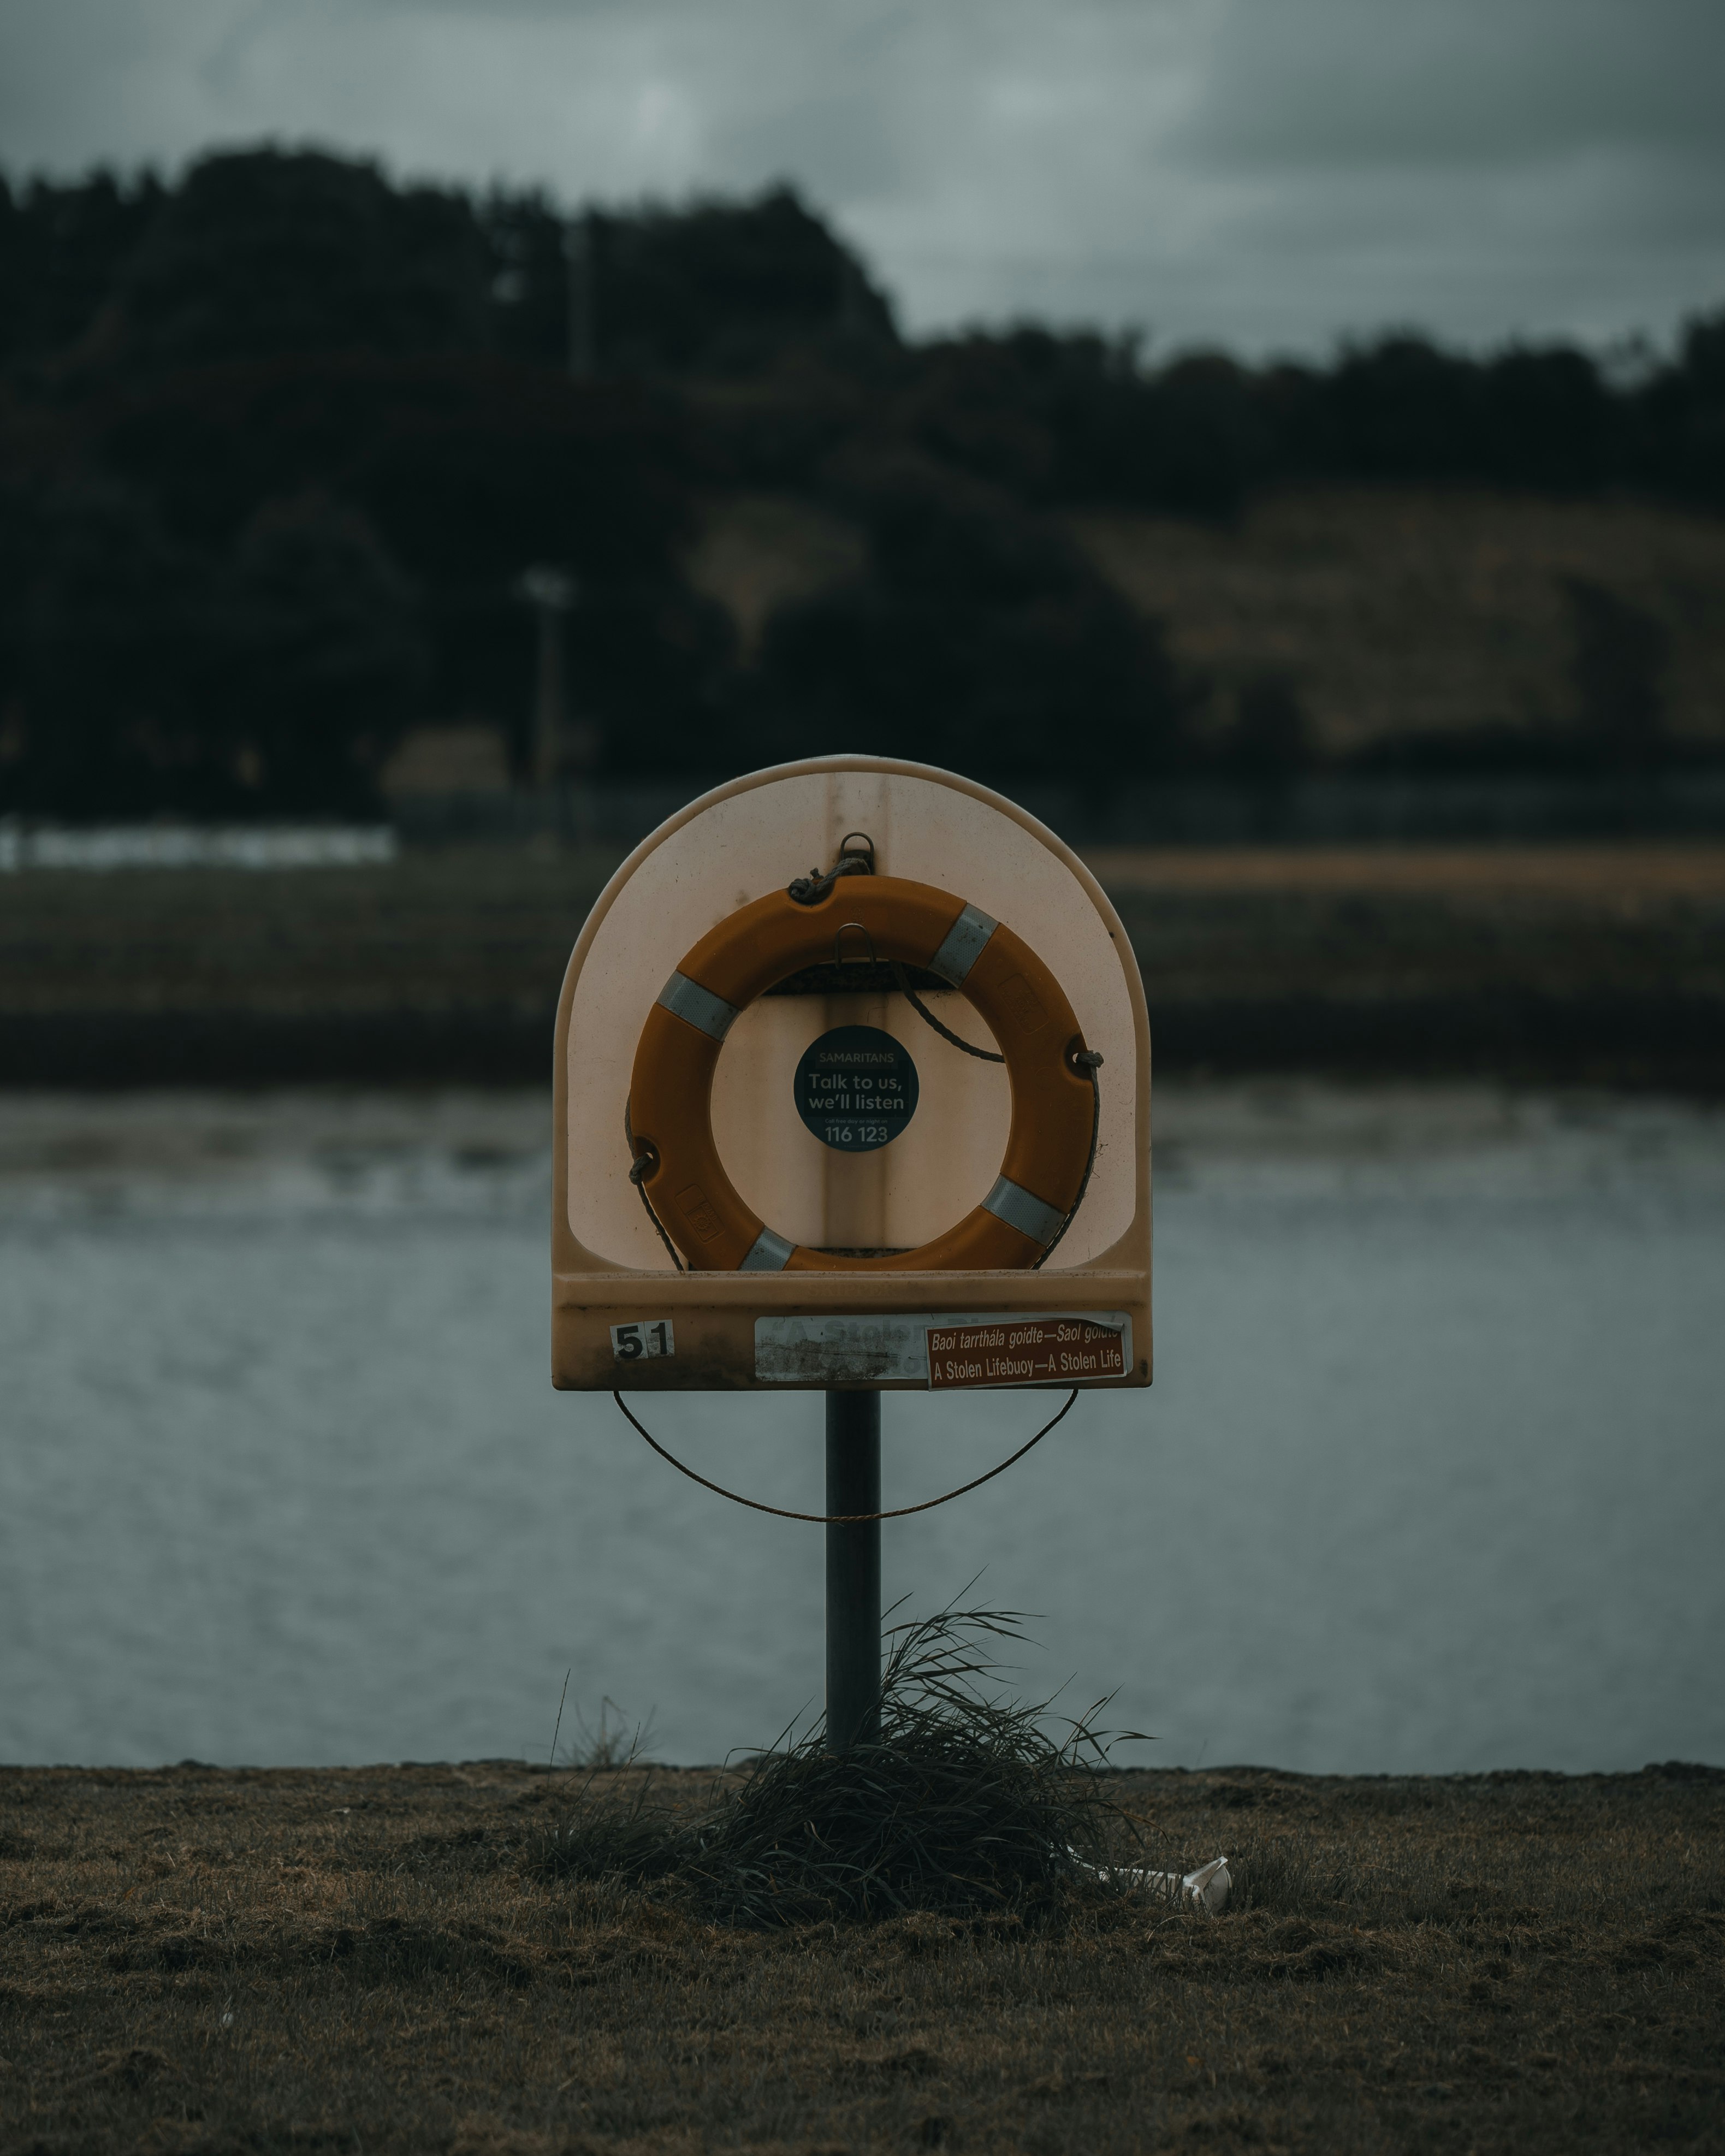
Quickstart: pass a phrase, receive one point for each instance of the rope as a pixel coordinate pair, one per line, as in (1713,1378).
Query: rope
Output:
(638,1173)
(845,1519)
(814,887)
(946,1033)
(1087,1059)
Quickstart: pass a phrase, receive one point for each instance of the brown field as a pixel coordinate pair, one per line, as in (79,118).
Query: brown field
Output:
(1399,611)
(195,1960)
(1393,610)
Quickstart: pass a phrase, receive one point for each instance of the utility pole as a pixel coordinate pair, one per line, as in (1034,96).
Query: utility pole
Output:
(552,592)
(581,253)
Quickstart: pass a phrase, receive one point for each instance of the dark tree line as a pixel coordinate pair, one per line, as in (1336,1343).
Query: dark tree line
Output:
(277,444)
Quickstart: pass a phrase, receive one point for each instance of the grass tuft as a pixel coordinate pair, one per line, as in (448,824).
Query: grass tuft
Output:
(966,1806)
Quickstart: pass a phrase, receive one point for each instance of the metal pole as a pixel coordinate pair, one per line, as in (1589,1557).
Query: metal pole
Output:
(581,259)
(548,727)
(853,1571)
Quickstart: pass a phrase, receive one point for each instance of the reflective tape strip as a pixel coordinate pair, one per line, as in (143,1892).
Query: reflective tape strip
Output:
(770,1254)
(1012,1203)
(687,999)
(963,945)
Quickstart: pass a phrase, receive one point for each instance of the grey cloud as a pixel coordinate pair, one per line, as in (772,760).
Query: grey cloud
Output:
(1266,172)
(839,146)
(1402,83)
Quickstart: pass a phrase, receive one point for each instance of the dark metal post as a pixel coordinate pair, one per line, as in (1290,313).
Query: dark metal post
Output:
(853,1571)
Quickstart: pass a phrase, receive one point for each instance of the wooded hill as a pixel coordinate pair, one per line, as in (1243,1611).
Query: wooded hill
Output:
(278,442)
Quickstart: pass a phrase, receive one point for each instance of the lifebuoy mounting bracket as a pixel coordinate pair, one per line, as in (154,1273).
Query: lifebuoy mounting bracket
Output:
(1051,1142)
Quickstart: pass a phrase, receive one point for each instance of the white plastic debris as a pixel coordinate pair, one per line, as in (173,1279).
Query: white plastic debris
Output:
(1208,1888)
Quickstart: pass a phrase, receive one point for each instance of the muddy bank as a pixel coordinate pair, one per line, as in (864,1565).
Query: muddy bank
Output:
(1593,964)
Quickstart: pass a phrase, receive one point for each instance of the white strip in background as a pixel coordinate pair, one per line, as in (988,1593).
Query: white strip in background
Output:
(100,849)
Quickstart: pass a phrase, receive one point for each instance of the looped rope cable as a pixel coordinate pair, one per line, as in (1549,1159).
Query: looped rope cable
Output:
(641,1166)
(844,1519)
(928,1017)
(1090,1059)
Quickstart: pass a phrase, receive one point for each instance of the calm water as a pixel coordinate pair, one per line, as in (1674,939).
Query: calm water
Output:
(1431,1477)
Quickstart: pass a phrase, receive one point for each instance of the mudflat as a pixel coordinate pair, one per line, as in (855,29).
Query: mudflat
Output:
(377,1959)
(1599,963)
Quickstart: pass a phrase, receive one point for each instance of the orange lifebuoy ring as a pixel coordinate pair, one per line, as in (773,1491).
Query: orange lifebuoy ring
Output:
(1052,1129)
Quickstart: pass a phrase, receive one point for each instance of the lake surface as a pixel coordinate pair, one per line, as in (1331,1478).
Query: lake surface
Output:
(1431,1478)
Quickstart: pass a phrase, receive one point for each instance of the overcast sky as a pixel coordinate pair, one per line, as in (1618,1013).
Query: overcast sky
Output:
(1266,173)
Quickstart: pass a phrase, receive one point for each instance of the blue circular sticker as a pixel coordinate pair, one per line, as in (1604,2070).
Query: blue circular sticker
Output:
(856,1088)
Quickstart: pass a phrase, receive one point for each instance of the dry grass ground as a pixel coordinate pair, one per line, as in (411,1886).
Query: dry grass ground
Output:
(369,1959)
